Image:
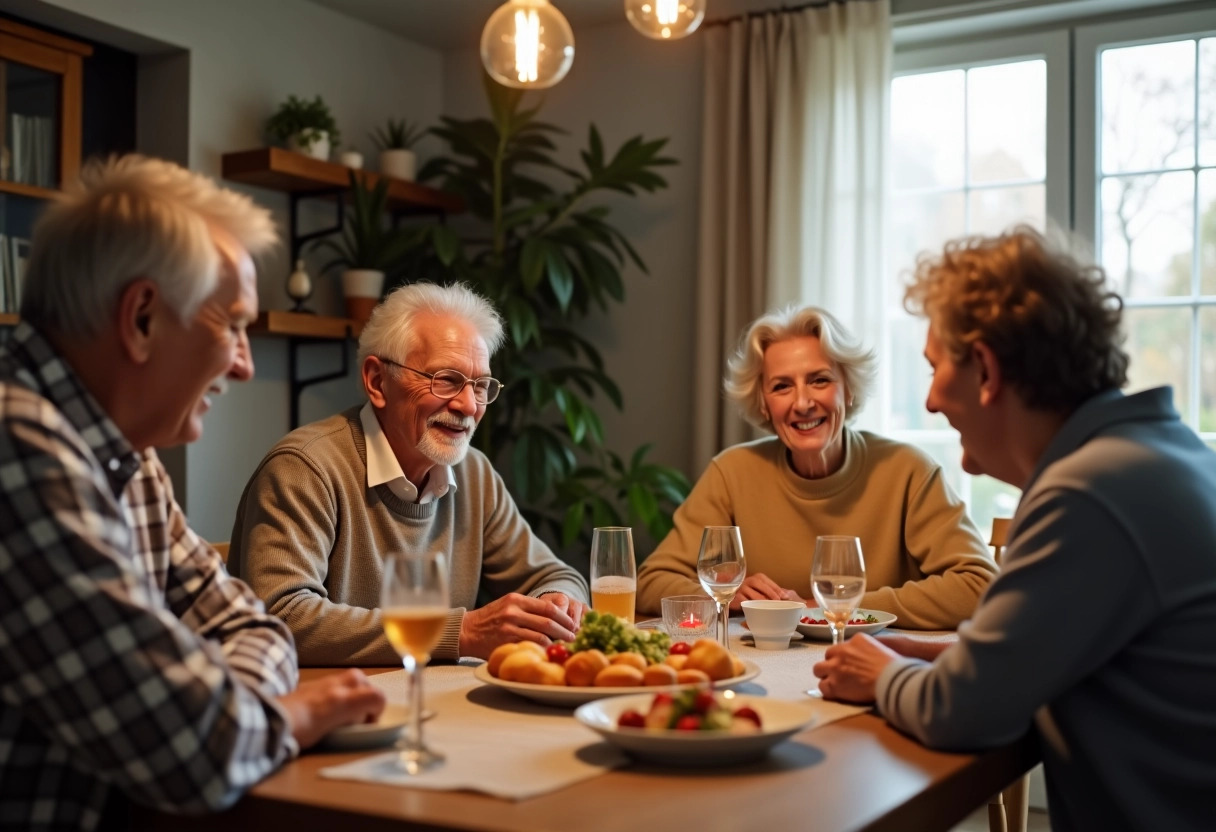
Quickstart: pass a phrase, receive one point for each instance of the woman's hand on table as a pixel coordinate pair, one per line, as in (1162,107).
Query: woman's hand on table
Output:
(515,617)
(319,706)
(849,672)
(761,587)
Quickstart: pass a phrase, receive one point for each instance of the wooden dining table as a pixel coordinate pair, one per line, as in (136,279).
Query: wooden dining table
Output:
(858,773)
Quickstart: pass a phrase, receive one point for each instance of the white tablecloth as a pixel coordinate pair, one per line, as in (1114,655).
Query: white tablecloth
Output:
(500,744)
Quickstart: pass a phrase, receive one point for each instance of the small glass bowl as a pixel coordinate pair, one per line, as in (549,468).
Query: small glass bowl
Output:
(689,617)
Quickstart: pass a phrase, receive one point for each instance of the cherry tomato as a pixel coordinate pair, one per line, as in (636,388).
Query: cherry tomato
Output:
(631,719)
(680,648)
(689,722)
(748,713)
(557,653)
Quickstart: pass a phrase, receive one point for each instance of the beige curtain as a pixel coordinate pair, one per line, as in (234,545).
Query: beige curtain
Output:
(792,172)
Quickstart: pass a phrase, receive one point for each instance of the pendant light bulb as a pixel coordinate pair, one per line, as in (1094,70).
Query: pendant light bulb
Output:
(527,44)
(665,19)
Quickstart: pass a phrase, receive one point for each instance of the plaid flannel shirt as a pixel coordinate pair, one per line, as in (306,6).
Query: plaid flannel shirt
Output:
(129,658)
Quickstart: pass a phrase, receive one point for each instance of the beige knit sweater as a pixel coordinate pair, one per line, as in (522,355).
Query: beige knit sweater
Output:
(925,560)
(310,538)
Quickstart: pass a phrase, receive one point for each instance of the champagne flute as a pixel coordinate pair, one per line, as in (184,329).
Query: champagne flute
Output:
(838,580)
(414,605)
(614,572)
(722,568)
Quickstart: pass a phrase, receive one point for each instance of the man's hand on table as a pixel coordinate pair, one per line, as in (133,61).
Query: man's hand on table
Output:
(761,587)
(516,617)
(317,707)
(570,606)
(916,648)
(849,672)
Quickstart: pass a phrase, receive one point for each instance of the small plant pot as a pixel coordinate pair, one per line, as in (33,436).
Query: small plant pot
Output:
(398,163)
(314,143)
(351,158)
(362,289)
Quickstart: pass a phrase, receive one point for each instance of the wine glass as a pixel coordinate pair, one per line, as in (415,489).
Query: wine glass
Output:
(414,605)
(614,572)
(722,568)
(838,580)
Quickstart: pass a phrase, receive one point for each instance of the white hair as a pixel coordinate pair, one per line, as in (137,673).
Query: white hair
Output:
(390,332)
(133,217)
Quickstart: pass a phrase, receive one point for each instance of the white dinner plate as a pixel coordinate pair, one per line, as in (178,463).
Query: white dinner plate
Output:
(780,720)
(569,697)
(383,731)
(823,632)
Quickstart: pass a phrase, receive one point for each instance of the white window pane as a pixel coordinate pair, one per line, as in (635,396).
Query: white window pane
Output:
(1148,107)
(1207,101)
(1007,122)
(1159,343)
(993,210)
(921,223)
(927,130)
(1146,233)
(909,374)
(1207,368)
(991,498)
(1207,232)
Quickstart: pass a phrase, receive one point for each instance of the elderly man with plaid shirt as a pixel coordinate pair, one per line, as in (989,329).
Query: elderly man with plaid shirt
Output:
(132,667)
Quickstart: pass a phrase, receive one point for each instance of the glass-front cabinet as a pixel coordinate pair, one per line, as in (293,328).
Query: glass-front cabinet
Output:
(40,124)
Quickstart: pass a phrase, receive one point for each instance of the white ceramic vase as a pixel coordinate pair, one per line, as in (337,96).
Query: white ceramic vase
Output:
(351,158)
(398,163)
(362,289)
(314,143)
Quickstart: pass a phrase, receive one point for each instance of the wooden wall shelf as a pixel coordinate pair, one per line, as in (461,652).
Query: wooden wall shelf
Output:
(303,325)
(285,170)
(9,319)
(22,189)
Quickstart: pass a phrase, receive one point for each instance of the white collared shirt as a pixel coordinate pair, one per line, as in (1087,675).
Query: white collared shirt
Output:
(383,467)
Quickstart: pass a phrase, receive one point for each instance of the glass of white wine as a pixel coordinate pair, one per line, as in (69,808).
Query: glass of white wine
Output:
(614,572)
(414,604)
(722,568)
(838,580)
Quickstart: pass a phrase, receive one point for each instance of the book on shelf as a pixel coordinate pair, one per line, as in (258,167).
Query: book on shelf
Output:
(31,150)
(19,255)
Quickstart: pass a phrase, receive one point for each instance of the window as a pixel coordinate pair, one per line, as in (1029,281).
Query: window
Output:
(1106,129)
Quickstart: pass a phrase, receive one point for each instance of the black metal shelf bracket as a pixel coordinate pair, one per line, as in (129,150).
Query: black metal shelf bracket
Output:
(299,384)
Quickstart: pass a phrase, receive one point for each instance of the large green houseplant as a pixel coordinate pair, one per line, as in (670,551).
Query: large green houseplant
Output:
(542,249)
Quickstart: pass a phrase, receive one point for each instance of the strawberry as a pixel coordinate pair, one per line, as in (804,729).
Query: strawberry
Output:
(689,722)
(746,712)
(703,702)
(631,719)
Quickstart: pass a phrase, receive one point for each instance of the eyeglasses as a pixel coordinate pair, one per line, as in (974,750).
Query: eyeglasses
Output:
(447,384)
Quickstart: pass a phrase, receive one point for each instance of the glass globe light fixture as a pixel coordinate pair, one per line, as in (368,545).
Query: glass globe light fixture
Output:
(665,19)
(527,44)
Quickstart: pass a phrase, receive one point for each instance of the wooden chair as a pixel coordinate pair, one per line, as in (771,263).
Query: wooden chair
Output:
(222,548)
(1007,810)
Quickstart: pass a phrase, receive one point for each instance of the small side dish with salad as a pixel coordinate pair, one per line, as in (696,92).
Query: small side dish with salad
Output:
(692,710)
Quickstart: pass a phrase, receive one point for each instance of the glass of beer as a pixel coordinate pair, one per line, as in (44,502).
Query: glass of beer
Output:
(414,605)
(614,572)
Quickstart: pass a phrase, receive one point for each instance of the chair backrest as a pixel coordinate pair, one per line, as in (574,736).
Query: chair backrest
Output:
(1000,530)
(222,548)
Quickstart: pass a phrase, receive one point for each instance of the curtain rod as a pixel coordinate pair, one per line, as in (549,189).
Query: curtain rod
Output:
(820,4)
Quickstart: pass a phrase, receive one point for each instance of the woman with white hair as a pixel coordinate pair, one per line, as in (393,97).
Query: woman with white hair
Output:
(801,375)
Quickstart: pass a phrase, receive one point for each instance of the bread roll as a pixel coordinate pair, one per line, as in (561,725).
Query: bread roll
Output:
(659,674)
(618,676)
(632,659)
(692,677)
(712,658)
(541,673)
(510,668)
(500,653)
(676,660)
(582,667)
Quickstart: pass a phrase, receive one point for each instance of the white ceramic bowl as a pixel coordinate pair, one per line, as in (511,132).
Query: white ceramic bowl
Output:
(780,720)
(822,632)
(772,623)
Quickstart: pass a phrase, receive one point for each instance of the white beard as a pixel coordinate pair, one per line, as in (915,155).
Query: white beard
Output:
(442,449)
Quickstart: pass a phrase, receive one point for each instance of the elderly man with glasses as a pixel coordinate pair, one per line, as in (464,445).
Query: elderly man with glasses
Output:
(333,498)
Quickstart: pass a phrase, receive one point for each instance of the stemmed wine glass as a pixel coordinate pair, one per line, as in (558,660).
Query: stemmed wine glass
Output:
(722,568)
(414,605)
(838,580)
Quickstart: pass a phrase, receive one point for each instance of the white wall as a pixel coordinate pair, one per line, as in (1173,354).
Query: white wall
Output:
(245,56)
(628,85)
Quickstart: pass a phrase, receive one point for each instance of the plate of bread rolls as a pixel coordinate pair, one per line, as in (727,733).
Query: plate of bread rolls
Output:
(551,678)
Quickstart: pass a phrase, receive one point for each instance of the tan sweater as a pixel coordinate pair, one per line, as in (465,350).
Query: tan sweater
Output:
(925,560)
(310,538)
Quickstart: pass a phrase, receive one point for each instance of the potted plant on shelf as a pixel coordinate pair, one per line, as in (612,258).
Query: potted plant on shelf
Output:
(367,247)
(304,126)
(395,141)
